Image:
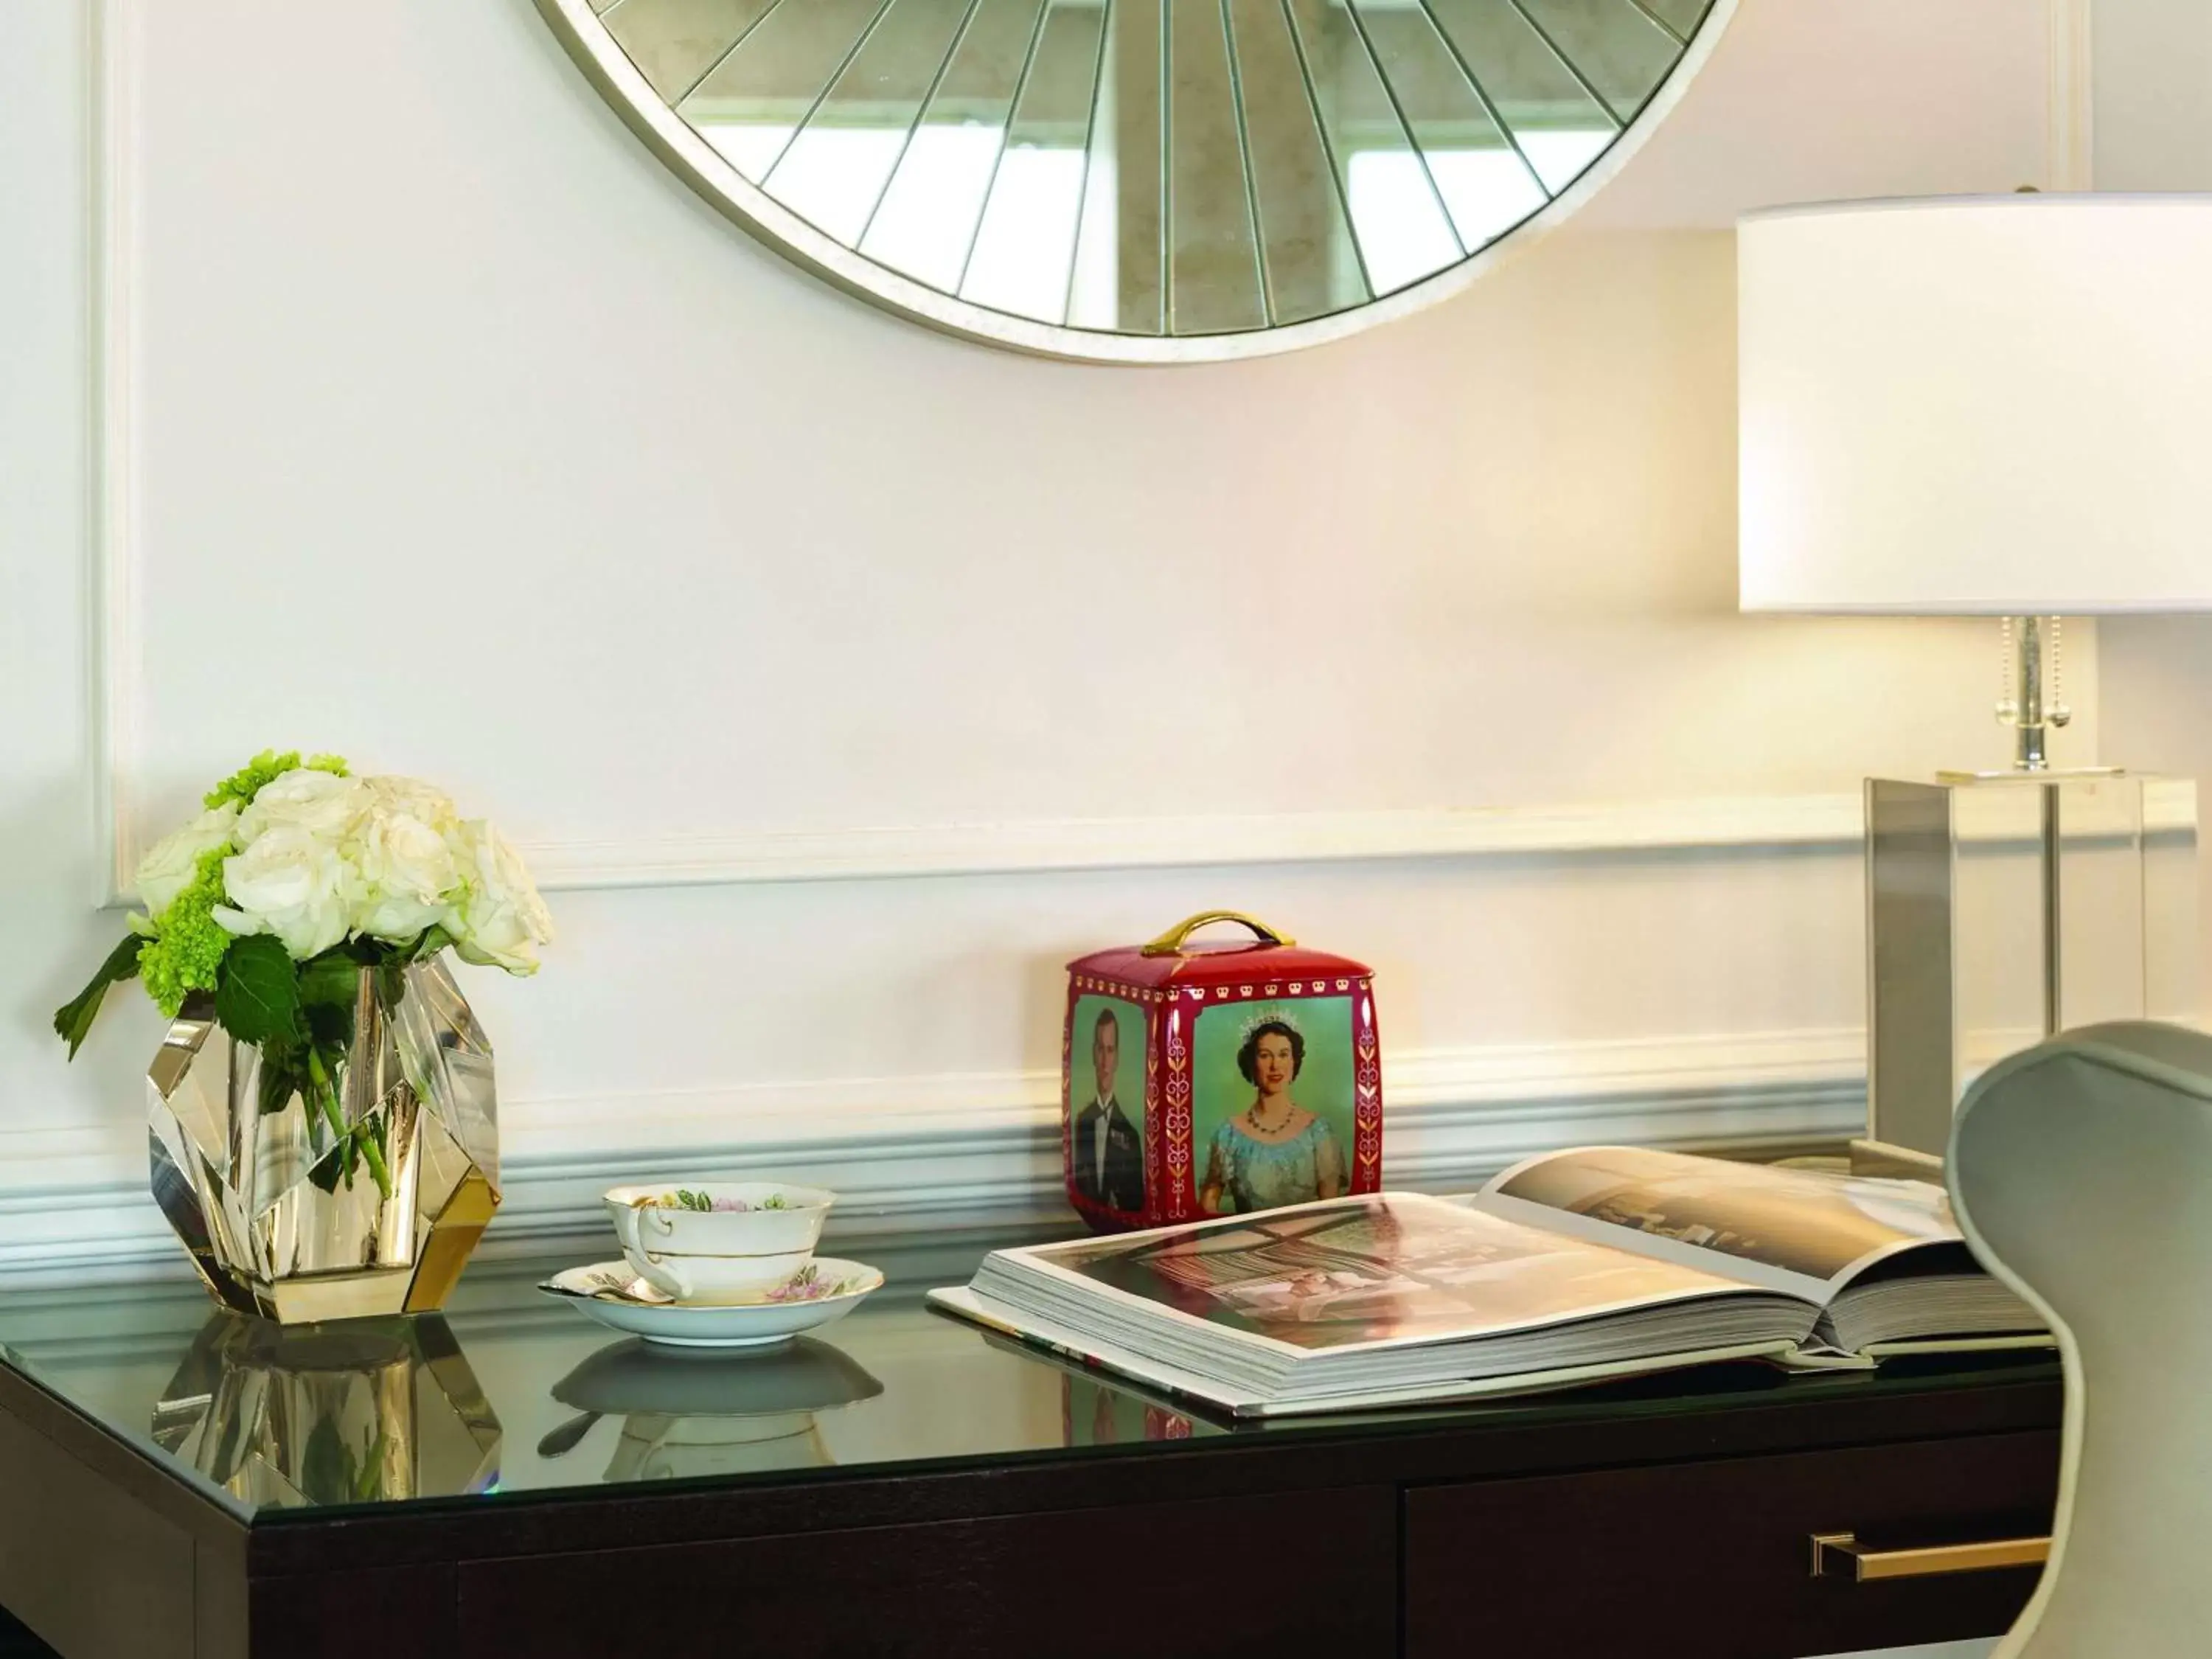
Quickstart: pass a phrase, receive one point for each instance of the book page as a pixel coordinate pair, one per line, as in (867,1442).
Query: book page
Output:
(1084,1356)
(1372,1271)
(1804,1232)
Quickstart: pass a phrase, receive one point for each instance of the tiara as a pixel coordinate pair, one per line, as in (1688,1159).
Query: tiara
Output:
(1268,1016)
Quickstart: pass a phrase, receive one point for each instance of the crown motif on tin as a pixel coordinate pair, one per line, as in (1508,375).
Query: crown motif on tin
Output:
(1269,1015)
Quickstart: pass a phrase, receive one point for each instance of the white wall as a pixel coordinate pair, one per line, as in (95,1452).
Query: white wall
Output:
(2154,89)
(2153,65)
(420,414)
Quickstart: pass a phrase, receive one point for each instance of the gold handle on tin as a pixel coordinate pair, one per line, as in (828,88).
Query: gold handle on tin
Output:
(1840,1555)
(1171,942)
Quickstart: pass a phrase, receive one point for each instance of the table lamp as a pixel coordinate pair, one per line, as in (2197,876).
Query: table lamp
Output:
(1994,406)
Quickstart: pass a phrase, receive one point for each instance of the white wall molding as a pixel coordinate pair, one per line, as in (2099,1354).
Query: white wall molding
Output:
(958,1150)
(111,225)
(945,849)
(2073,103)
(1746,824)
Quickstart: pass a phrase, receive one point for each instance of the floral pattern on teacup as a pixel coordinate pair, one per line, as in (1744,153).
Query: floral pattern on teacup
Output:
(808,1285)
(705,1203)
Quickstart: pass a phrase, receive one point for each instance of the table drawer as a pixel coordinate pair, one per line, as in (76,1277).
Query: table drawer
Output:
(1714,1560)
(1313,1572)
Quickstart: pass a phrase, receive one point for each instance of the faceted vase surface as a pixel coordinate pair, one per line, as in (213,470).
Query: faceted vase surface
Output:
(259,1190)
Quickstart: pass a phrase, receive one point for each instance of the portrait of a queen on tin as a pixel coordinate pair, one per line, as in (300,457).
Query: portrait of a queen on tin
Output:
(1273,1104)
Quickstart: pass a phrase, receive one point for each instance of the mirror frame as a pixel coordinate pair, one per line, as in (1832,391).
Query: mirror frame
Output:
(746,205)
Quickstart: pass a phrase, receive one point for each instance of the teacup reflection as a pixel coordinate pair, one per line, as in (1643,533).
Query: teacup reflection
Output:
(301,1416)
(686,1413)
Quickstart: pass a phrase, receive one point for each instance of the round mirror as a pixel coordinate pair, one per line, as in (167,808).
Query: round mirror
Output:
(1140,180)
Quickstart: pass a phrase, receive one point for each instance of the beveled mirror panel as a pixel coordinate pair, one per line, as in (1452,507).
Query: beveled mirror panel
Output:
(1140,180)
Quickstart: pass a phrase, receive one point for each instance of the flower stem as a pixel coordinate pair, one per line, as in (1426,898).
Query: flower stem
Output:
(329,1099)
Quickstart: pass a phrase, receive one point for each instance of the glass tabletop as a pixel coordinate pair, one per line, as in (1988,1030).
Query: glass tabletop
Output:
(511,1394)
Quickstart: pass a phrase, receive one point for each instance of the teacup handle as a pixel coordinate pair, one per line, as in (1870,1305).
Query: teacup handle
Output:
(659,1272)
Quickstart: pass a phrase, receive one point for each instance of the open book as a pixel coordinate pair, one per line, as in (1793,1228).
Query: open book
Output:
(1600,1261)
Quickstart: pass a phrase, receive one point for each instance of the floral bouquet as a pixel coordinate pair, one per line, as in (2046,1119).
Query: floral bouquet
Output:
(294,879)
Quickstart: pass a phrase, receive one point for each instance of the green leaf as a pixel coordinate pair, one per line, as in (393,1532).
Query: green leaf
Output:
(73,1020)
(283,1074)
(257,994)
(369,1484)
(325,1468)
(331,978)
(330,1028)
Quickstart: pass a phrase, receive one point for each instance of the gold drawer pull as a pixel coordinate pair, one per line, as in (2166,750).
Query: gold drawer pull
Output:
(1840,1555)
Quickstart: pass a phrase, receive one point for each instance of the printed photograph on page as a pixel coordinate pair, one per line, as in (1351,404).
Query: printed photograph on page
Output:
(1803,1221)
(1376,1268)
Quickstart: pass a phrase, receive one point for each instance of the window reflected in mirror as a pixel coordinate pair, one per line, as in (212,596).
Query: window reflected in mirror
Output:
(1165,168)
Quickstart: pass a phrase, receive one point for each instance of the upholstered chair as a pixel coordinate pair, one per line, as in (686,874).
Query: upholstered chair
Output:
(2082,1172)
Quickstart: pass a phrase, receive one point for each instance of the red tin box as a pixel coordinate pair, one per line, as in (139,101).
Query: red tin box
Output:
(1211,1078)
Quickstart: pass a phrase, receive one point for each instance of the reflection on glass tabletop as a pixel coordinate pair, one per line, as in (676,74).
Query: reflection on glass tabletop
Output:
(510,1393)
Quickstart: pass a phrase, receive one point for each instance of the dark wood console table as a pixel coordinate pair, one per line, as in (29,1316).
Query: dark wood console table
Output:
(178,1484)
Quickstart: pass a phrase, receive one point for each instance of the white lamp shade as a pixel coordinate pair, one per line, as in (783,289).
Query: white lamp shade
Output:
(1992,406)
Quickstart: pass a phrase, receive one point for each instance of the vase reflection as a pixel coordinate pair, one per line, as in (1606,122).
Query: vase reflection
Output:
(697,1412)
(306,1416)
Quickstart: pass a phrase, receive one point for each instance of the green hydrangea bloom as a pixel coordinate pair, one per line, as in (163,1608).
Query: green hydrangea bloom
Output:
(243,785)
(188,943)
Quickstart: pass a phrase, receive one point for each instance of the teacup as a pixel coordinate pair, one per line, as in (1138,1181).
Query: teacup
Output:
(725,1241)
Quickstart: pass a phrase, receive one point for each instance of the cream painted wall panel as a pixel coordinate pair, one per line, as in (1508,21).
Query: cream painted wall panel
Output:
(2158,689)
(2153,125)
(2153,74)
(784,983)
(914,995)
(692,544)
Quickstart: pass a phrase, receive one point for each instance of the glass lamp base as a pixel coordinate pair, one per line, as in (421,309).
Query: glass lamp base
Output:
(2003,909)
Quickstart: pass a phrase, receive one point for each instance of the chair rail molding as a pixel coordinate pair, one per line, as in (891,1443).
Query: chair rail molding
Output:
(1749,823)
(960,1149)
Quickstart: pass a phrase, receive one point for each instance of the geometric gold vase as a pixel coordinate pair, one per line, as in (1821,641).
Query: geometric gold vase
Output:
(280,1214)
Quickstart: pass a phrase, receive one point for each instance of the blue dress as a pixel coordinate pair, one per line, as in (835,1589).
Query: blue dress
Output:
(1260,1175)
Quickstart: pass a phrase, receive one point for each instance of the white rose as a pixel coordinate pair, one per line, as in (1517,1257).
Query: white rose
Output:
(501,921)
(170,867)
(414,798)
(408,875)
(290,882)
(321,802)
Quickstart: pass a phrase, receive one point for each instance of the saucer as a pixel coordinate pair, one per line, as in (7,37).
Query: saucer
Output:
(825,1290)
